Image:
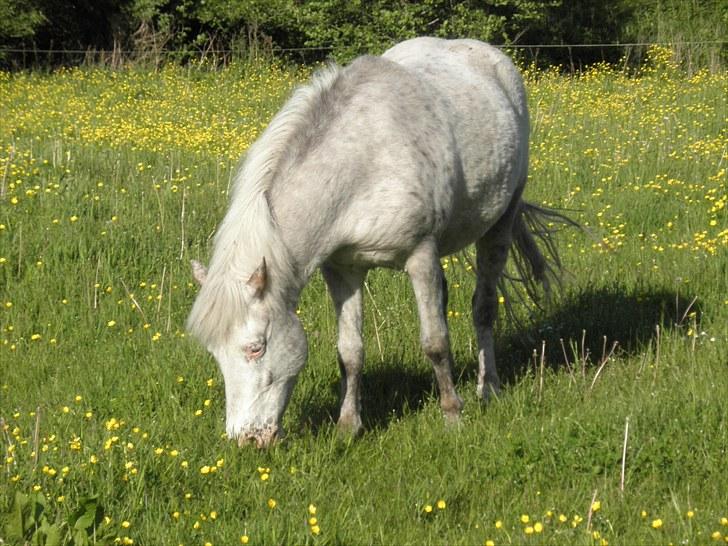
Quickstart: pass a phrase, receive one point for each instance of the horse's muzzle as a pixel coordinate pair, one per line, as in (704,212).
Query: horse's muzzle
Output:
(260,437)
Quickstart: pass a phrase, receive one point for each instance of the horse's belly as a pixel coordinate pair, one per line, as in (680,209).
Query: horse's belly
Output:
(368,258)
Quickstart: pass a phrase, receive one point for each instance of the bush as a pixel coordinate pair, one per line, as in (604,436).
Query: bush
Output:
(312,30)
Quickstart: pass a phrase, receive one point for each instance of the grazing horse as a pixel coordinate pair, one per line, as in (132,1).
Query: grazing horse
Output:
(392,161)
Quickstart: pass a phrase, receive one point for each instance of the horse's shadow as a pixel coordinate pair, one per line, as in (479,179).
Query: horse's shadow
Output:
(583,329)
(578,330)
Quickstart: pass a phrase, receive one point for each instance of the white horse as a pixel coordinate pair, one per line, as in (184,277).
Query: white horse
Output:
(393,161)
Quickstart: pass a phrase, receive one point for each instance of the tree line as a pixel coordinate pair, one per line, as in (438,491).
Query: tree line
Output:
(312,30)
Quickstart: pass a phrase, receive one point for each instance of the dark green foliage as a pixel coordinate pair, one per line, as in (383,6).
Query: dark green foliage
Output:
(313,30)
(18,19)
(27,522)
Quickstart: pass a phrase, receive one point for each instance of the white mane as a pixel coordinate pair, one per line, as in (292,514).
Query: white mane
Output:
(248,232)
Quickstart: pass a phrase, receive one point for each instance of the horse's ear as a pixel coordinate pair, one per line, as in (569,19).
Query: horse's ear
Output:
(258,280)
(199,272)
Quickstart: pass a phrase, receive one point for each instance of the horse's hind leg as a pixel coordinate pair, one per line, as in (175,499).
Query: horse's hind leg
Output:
(492,254)
(345,287)
(425,272)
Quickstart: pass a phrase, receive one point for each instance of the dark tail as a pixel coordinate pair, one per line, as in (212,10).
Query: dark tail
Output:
(534,254)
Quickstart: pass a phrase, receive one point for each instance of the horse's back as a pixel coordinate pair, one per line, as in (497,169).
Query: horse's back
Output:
(464,59)
(487,102)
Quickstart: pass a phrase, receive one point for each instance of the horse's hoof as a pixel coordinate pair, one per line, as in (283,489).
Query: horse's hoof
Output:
(452,417)
(452,409)
(488,392)
(350,426)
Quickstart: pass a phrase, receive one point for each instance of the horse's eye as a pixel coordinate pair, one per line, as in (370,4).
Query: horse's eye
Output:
(253,351)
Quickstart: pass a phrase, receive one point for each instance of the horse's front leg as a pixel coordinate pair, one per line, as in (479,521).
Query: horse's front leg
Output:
(345,287)
(425,272)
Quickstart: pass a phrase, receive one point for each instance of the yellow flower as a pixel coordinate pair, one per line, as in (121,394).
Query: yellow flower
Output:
(272,503)
(596,506)
(244,539)
(441,504)
(205,470)
(315,529)
(312,509)
(498,524)
(428,508)
(538,527)
(656,523)
(525,518)
(489,543)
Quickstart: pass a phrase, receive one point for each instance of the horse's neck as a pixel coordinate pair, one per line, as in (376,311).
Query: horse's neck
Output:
(306,220)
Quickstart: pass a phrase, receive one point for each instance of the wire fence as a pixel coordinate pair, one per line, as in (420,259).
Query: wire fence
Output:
(331,48)
(24,57)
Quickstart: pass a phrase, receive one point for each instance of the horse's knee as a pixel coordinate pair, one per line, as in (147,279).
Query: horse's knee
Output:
(351,354)
(436,347)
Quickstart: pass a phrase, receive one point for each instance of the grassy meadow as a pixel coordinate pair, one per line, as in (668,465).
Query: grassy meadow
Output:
(612,427)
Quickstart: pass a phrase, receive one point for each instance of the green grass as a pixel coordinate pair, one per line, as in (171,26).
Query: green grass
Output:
(112,181)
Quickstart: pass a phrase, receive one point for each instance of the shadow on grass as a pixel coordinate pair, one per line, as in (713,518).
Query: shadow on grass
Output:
(582,329)
(390,390)
(588,323)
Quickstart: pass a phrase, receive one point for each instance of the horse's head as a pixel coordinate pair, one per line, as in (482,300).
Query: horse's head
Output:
(260,357)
